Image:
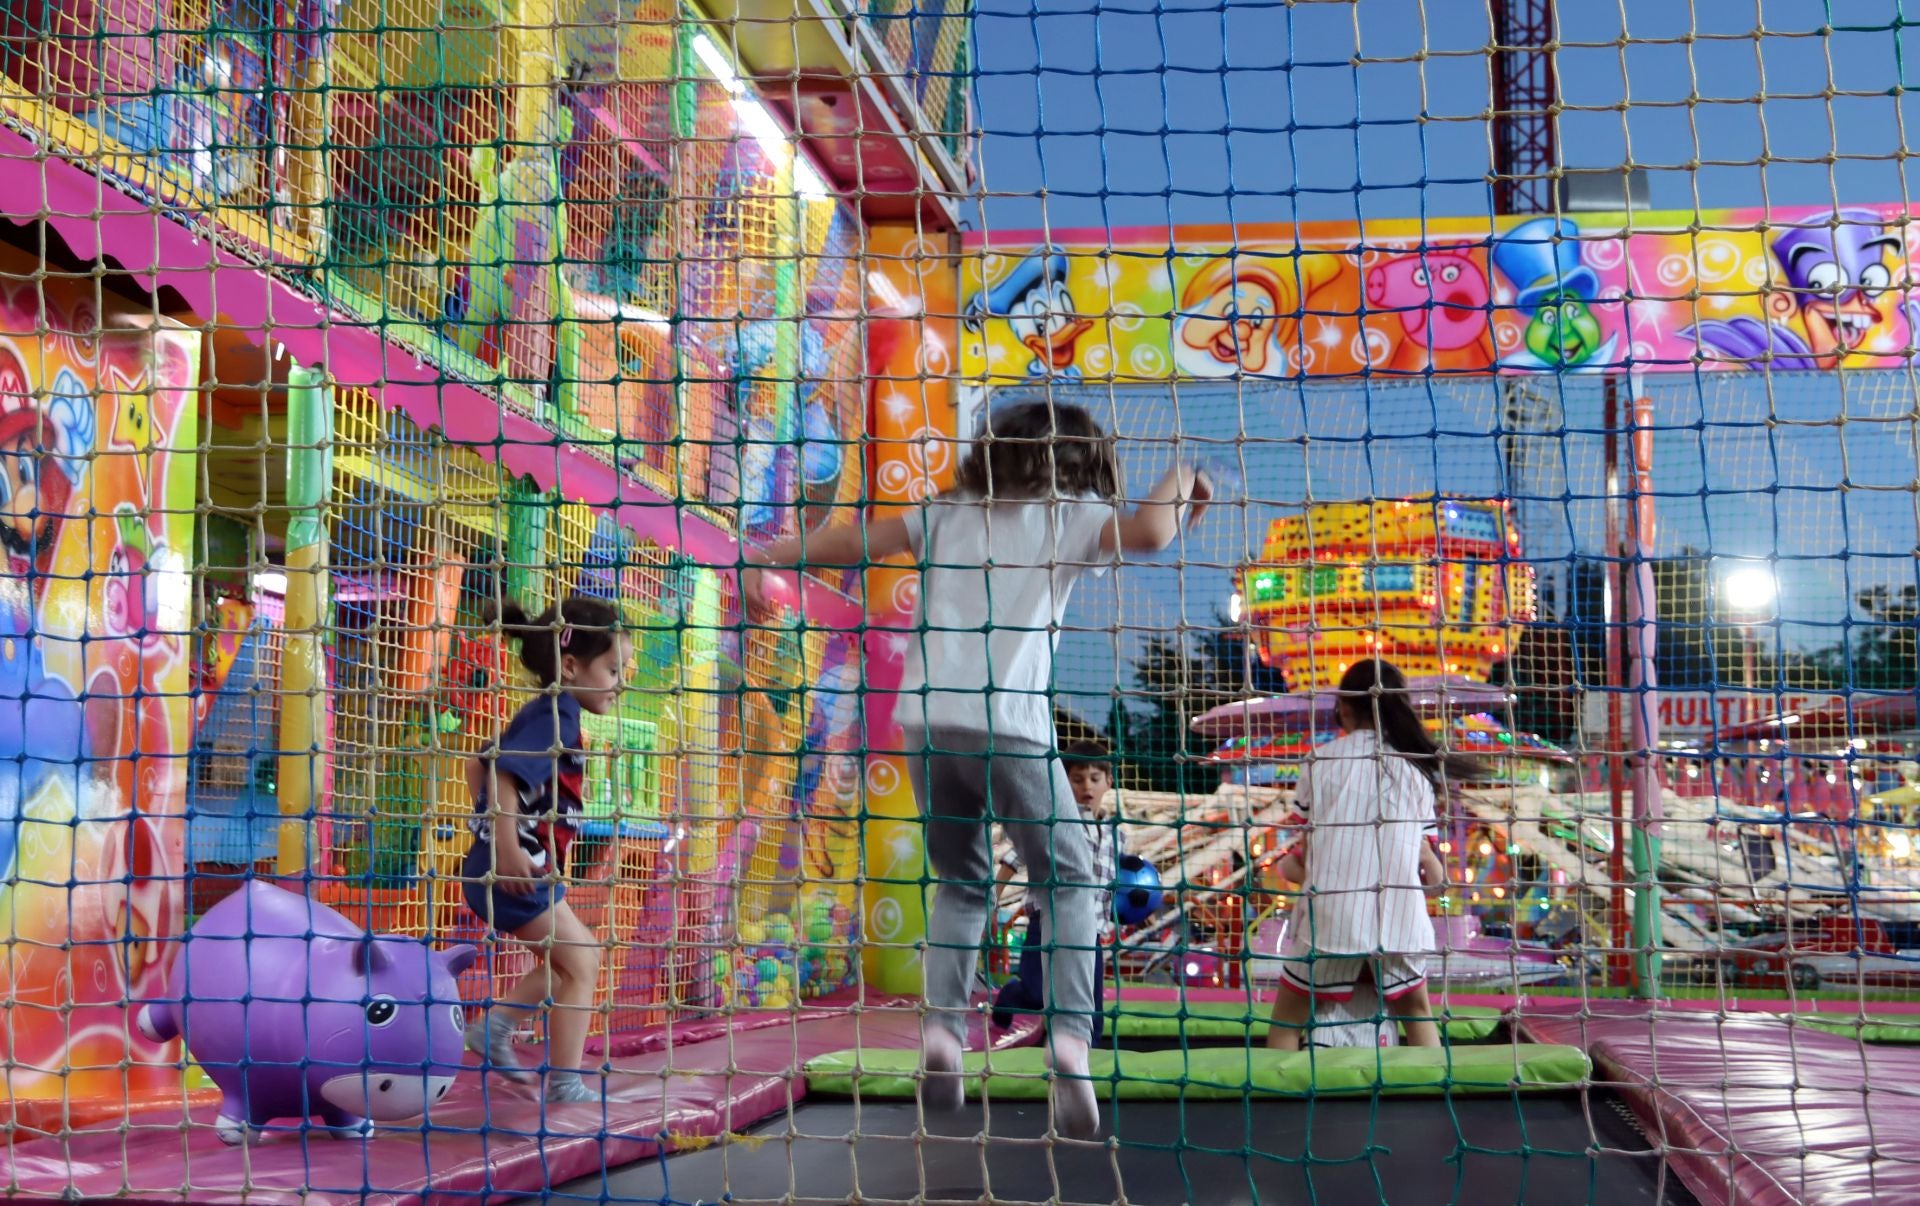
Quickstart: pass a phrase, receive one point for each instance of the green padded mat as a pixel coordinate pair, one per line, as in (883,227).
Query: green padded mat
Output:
(1160,1018)
(1872,1028)
(1230,1073)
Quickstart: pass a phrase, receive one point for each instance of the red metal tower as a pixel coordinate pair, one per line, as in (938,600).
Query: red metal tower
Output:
(1525,90)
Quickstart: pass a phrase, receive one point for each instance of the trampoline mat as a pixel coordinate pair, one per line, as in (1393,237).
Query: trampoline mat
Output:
(1560,1148)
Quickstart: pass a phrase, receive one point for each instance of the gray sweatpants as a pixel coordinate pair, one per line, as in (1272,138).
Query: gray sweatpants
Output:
(962,790)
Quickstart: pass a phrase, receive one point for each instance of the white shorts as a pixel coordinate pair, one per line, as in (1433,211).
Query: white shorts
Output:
(1332,977)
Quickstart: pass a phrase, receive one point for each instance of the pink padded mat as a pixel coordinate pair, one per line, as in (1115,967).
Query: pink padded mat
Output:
(1750,1108)
(489,1141)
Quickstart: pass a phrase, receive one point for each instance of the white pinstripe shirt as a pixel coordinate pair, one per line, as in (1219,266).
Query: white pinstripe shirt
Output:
(1107,849)
(1367,812)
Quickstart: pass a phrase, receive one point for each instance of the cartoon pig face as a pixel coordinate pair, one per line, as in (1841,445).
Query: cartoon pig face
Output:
(393,1050)
(1441,296)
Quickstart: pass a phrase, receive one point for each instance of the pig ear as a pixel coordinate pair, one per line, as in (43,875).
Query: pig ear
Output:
(460,958)
(370,957)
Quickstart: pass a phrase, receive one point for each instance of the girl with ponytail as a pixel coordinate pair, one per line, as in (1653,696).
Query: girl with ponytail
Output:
(527,802)
(1369,800)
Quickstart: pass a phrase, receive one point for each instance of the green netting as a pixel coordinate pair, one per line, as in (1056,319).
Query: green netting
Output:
(1225,1075)
(1201,1021)
(1868,1028)
(1563,356)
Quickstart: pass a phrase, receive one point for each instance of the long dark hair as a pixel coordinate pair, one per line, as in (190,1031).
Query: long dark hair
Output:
(1375,693)
(1040,450)
(580,625)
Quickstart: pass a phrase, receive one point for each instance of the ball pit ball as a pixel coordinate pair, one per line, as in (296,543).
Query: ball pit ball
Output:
(1137,894)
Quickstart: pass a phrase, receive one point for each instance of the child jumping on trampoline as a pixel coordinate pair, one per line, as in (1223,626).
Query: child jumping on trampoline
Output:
(1035,506)
(527,800)
(1369,801)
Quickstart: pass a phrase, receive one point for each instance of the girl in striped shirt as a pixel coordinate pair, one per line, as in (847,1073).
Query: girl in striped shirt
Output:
(1368,797)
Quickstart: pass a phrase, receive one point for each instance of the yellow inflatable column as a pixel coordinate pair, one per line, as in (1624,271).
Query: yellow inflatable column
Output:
(303,666)
(912,417)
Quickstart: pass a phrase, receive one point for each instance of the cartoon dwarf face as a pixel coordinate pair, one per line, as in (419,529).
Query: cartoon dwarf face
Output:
(1231,313)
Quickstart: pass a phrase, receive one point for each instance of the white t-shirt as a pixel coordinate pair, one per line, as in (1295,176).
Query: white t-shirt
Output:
(1367,812)
(992,595)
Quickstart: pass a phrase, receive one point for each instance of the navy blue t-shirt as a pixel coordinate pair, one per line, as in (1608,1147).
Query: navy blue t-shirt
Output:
(542,750)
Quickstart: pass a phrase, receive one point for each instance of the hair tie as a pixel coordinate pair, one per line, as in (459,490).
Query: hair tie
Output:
(566,636)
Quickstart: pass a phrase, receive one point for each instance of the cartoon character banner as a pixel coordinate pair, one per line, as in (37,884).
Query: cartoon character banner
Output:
(1726,290)
(96,517)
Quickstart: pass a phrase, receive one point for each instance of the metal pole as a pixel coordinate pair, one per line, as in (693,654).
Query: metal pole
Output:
(1619,968)
(1642,618)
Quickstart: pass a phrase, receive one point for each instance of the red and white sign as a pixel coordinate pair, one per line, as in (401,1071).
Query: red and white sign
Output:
(1702,714)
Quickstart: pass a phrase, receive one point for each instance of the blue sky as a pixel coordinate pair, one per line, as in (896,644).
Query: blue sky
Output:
(1135,113)
(1129,112)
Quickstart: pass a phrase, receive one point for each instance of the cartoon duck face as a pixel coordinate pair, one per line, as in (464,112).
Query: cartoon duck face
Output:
(1039,310)
(1047,326)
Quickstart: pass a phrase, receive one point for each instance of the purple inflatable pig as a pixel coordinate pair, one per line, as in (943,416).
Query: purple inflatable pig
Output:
(293,1010)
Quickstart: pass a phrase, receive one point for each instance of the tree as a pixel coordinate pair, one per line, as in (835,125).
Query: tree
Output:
(1882,654)
(1176,678)
(1542,673)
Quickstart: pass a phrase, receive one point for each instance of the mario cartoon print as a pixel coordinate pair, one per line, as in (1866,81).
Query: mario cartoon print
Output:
(1838,275)
(1034,303)
(42,454)
(1556,294)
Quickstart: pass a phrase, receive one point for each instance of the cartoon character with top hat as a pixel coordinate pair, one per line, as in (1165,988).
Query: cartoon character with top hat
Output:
(1034,302)
(1541,260)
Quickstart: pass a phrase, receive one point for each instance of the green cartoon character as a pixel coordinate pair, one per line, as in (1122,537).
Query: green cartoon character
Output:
(1541,260)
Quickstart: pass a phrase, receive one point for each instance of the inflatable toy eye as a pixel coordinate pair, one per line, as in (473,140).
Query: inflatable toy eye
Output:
(459,1017)
(381,1011)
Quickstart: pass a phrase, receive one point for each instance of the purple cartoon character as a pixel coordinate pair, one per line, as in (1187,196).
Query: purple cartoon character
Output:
(1837,275)
(293,1010)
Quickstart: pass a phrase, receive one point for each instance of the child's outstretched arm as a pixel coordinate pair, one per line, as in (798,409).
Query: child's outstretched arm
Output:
(1156,521)
(840,546)
(476,779)
(1293,865)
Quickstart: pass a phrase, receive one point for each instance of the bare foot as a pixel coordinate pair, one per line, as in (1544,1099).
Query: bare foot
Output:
(941,1090)
(1076,1108)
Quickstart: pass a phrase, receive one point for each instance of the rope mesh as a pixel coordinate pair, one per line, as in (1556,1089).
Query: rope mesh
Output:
(333,333)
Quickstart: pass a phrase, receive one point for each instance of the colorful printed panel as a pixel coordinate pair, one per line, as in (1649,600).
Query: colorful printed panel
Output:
(1740,289)
(97,418)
